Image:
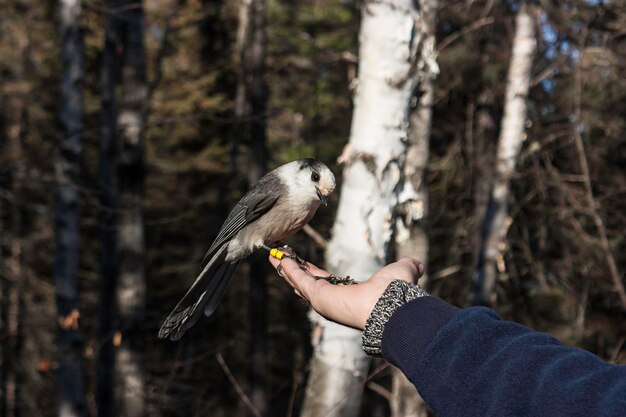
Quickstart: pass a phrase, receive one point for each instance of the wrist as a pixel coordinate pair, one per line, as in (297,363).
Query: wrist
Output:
(396,294)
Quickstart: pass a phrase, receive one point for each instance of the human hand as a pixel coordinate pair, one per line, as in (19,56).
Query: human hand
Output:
(349,305)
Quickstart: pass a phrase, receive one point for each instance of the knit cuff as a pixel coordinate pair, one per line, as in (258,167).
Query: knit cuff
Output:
(397,293)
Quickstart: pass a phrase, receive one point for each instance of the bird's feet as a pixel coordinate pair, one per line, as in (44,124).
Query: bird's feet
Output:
(282,249)
(293,255)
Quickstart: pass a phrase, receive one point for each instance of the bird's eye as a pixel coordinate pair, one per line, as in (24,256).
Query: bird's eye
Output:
(315,177)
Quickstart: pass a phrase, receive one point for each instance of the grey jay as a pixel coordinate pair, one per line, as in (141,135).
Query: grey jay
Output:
(279,205)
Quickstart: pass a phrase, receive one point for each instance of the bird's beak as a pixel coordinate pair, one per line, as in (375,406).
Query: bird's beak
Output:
(323,198)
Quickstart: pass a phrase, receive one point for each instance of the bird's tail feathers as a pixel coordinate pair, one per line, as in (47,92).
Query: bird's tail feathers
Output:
(218,286)
(204,295)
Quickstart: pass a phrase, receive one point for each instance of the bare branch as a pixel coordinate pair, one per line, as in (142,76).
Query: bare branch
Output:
(617,350)
(618,286)
(445,272)
(237,386)
(462,32)
(316,236)
(379,389)
(111,10)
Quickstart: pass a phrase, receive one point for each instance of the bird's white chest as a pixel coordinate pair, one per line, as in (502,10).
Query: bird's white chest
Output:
(276,225)
(283,221)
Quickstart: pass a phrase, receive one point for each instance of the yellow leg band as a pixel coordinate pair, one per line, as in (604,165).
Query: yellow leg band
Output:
(278,254)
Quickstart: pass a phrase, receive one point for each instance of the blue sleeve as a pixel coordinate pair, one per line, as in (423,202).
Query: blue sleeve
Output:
(469,362)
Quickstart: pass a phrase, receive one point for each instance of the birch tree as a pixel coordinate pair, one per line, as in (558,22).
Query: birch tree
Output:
(252,86)
(3,317)
(411,235)
(108,191)
(71,394)
(390,39)
(13,277)
(122,173)
(13,289)
(241,40)
(131,285)
(509,144)
(616,276)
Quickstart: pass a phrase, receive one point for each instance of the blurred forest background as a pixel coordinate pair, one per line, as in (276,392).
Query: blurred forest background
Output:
(129,129)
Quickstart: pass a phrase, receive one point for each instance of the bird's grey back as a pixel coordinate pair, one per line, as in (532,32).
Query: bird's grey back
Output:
(253,205)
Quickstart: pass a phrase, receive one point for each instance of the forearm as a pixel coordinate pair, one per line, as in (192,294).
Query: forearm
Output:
(464,362)
(471,363)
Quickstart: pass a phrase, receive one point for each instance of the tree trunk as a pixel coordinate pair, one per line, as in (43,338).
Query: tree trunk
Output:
(121,385)
(242,40)
(108,191)
(616,275)
(509,145)
(411,235)
(411,239)
(249,128)
(71,395)
(131,285)
(256,93)
(405,401)
(12,305)
(483,157)
(14,309)
(390,38)
(3,315)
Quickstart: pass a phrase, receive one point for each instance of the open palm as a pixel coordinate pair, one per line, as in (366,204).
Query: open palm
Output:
(349,305)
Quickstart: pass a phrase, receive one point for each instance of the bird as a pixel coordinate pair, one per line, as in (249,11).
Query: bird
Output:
(280,204)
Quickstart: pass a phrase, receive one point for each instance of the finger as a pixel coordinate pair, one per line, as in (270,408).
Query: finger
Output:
(312,268)
(414,263)
(289,264)
(280,271)
(295,275)
(406,269)
(293,270)
(316,271)
(275,262)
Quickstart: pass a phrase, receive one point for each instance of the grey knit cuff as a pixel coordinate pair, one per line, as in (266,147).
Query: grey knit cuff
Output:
(397,293)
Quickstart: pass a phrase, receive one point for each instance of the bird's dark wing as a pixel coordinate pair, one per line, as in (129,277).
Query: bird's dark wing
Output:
(206,292)
(252,206)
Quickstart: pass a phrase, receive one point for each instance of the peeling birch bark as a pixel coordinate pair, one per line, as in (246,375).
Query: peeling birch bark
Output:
(390,42)
(411,236)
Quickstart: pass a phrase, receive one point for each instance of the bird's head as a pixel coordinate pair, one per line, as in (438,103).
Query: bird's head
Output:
(310,179)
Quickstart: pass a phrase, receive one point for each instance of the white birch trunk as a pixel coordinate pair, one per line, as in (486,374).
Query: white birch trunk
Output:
(411,239)
(390,39)
(411,236)
(130,378)
(509,144)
